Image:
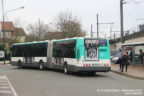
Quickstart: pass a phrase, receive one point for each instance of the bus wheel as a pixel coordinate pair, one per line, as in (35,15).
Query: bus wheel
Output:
(65,69)
(41,66)
(19,64)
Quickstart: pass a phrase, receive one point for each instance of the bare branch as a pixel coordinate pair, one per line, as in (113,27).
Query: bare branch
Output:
(68,24)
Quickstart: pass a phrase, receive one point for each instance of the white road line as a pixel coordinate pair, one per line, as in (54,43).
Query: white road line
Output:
(2,77)
(2,80)
(4,88)
(5,91)
(3,84)
(12,89)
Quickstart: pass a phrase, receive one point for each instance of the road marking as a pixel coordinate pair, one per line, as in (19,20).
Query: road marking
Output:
(9,92)
(6,86)
(12,89)
(2,77)
(2,81)
(3,84)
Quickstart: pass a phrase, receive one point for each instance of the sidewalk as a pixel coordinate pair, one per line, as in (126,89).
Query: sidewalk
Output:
(136,72)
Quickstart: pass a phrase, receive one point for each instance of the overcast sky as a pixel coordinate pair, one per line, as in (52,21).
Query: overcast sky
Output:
(86,10)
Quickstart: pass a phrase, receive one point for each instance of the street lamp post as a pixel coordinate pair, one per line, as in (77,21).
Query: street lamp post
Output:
(22,7)
(97,16)
(3,28)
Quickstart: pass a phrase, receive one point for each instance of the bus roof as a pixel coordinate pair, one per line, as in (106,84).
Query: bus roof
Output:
(94,38)
(36,42)
(29,43)
(78,38)
(66,39)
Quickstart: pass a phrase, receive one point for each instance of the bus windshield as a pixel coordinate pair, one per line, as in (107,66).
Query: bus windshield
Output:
(91,48)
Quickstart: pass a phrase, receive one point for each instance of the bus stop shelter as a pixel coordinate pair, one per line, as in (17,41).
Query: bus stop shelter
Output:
(133,51)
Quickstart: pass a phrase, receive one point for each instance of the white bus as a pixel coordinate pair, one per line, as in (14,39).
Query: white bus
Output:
(70,55)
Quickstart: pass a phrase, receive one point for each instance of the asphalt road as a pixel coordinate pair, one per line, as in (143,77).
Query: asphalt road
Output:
(34,82)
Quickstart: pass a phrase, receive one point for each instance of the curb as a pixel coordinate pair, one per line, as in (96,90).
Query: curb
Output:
(128,75)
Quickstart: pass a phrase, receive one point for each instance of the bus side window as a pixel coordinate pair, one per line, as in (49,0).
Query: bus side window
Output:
(13,51)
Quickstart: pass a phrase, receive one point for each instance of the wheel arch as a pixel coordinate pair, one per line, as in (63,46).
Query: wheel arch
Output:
(40,61)
(65,63)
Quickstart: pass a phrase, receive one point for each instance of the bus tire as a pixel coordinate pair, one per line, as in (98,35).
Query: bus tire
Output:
(66,69)
(41,66)
(19,64)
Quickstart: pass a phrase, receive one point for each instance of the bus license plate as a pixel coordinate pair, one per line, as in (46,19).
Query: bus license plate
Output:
(95,64)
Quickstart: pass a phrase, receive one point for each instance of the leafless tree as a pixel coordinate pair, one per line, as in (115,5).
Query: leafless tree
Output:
(31,38)
(68,24)
(53,35)
(38,29)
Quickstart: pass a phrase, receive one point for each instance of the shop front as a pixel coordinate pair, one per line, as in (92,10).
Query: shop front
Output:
(133,51)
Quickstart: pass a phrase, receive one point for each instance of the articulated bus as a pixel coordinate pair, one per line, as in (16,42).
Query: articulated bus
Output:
(79,54)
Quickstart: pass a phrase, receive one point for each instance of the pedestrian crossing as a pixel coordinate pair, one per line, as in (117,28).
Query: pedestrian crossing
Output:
(6,88)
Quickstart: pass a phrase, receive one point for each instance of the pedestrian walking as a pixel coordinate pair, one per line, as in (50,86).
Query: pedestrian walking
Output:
(131,56)
(119,61)
(125,62)
(141,56)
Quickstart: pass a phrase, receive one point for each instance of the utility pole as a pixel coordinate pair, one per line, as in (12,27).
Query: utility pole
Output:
(97,16)
(39,25)
(91,30)
(114,36)
(116,32)
(121,20)
(97,25)
(111,30)
(39,29)
(114,41)
(3,29)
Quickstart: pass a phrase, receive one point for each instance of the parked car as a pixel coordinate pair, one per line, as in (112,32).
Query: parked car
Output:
(114,56)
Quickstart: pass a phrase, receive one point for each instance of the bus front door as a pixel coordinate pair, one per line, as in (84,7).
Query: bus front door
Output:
(29,61)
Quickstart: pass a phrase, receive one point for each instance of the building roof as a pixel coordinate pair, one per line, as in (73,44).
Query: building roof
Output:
(8,26)
(18,31)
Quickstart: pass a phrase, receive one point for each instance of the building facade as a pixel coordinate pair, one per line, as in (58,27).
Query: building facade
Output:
(11,33)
